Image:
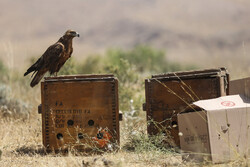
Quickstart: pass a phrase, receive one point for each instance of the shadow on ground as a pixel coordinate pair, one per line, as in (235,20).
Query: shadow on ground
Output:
(31,150)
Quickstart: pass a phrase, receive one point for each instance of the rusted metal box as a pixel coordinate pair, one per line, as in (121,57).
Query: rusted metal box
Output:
(168,94)
(80,112)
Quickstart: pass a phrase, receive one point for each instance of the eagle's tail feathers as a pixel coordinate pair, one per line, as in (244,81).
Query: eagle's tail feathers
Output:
(33,74)
(37,78)
(32,68)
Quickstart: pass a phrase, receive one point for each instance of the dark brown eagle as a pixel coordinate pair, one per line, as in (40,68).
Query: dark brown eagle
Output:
(53,58)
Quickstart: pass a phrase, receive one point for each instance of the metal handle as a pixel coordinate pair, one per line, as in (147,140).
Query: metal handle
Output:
(120,116)
(40,109)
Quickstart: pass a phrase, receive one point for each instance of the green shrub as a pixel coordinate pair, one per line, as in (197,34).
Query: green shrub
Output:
(2,67)
(6,73)
(3,71)
(128,82)
(144,58)
(12,107)
(140,142)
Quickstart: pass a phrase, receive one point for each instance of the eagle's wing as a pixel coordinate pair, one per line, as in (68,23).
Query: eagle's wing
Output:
(50,56)
(46,62)
(53,53)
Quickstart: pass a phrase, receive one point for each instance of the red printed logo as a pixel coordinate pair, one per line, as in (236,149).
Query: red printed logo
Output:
(228,103)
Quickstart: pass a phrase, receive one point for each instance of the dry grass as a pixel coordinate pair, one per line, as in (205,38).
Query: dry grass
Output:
(21,145)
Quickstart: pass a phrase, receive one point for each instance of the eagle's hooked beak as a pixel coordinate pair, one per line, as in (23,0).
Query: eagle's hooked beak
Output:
(77,34)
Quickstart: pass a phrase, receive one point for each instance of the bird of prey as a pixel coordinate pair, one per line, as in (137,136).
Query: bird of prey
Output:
(53,58)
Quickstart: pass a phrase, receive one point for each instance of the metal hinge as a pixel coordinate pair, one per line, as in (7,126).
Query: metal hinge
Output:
(120,117)
(40,109)
(144,106)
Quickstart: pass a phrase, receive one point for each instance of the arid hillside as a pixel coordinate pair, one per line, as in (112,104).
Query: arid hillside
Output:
(209,33)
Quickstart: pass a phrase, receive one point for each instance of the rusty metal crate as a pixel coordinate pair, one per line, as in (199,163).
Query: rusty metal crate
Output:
(80,112)
(168,94)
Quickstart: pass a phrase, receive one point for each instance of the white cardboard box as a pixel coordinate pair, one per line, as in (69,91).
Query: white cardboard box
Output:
(216,129)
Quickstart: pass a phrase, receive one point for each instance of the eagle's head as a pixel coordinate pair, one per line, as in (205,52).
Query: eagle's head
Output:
(71,34)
